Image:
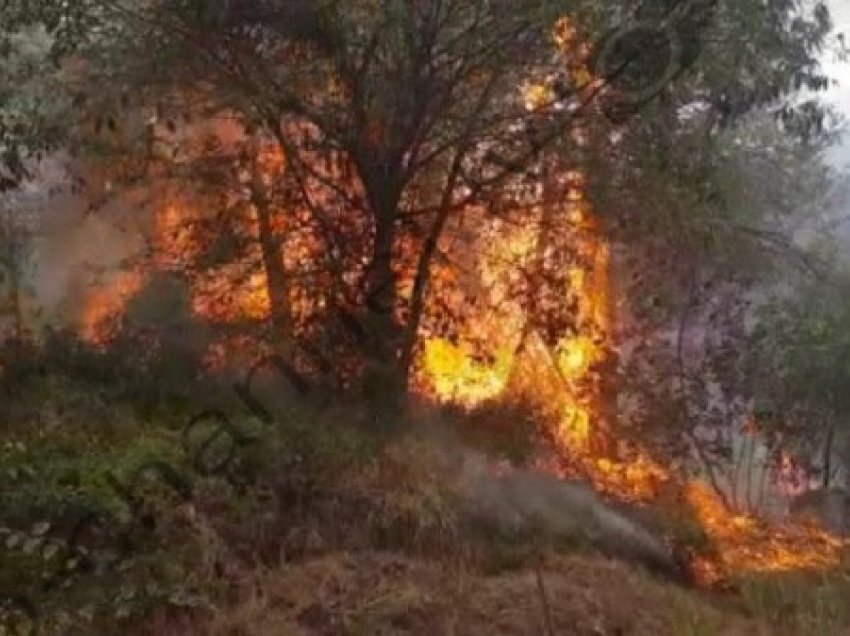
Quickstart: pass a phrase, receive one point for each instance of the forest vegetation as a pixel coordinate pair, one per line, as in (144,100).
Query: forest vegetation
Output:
(422,317)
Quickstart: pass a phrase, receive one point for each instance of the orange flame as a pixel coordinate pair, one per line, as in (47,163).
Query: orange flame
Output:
(746,544)
(107,303)
(563,379)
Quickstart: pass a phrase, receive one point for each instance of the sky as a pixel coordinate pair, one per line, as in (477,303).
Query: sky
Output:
(840,71)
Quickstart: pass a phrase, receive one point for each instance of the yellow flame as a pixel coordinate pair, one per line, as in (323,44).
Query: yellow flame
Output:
(538,96)
(457,376)
(575,356)
(557,377)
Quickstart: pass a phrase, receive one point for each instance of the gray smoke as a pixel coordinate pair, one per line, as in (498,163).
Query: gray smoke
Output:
(70,249)
(529,499)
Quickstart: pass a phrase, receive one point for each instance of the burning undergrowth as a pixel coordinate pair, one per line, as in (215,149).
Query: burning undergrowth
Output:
(317,484)
(428,276)
(518,310)
(518,314)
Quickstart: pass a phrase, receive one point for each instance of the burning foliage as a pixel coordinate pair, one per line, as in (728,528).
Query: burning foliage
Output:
(518,305)
(564,382)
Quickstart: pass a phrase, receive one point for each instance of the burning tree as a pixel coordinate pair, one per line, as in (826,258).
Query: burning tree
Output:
(471,189)
(429,170)
(386,125)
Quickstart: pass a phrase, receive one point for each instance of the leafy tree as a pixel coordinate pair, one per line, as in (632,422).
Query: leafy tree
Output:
(417,106)
(395,121)
(35,41)
(802,344)
(698,287)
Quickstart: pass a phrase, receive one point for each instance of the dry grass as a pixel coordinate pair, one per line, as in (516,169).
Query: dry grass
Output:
(382,594)
(801,602)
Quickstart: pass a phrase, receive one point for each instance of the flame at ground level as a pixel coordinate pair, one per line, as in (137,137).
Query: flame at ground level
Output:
(108,302)
(746,544)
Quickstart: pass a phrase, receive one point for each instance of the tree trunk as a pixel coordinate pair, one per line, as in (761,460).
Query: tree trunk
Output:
(384,381)
(273,265)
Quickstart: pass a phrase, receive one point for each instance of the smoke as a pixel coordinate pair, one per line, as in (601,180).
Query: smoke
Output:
(518,499)
(568,509)
(71,248)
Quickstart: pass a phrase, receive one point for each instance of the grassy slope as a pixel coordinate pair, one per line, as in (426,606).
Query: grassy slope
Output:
(342,532)
(380,593)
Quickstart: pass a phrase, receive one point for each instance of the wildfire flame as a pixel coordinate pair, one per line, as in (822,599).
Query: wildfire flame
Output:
(106,303)
(457,375)
(744,543)
(226,294)
(562,378)
(748,545)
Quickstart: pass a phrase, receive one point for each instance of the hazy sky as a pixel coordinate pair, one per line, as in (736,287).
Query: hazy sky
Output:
(840,95)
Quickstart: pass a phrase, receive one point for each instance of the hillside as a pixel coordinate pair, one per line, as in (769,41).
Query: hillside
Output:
(329,527)
(379,593)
